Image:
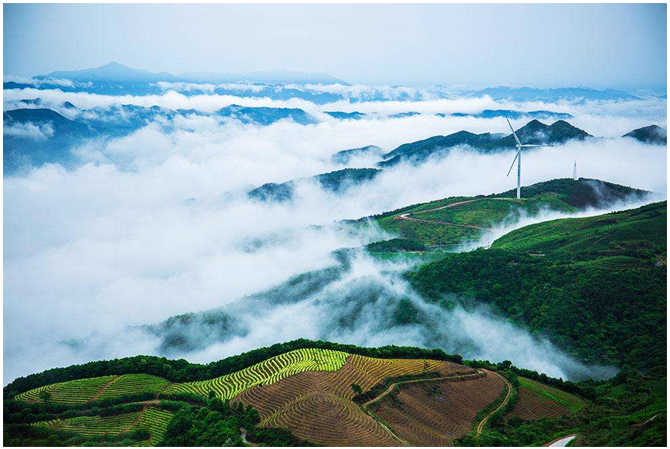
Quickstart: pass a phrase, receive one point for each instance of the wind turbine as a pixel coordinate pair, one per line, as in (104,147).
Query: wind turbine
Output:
(517,159)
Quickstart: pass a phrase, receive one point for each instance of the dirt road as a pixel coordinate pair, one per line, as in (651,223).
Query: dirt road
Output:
(481,425)
(410,216)
(395,384)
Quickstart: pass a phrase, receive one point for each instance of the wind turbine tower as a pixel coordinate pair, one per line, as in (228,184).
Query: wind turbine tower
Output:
(574,172)
(517,159)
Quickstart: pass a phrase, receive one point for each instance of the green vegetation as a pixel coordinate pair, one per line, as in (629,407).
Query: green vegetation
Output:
(90,426)
(266,372)
(156,421)
(76,392)
(637,419)
(603,299)
(394,245)
(574,403)
(629,409)
(431,234)
(132,383)
(534,132)
(130,414)
(492,212)
(579,193)
(219,424)
(449,222)
(336,181)
(379,388)
(183,371)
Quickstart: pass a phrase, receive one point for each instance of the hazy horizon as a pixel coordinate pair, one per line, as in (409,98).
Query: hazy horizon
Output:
(449,45)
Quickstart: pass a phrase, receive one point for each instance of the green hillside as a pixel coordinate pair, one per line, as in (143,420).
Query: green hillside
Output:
(534,132)
(627,409)
(74,406)
(652,134)
(452,221)
(336,181)
(596,286)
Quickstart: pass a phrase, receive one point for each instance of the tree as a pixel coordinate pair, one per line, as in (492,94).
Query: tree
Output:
(45,396)
(357,388)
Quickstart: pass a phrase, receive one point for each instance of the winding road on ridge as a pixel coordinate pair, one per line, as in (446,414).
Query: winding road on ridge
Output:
(477,374)
(502,405)
(409,216)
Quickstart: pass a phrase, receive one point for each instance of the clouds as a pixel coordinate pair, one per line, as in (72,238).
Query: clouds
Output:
(157,223)
(599,118)
(29,131)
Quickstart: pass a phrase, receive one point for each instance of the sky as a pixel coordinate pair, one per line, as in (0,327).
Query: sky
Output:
(600,46)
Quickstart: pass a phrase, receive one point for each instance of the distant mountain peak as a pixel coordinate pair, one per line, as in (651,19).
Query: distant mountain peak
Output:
(653,134)
(112,72)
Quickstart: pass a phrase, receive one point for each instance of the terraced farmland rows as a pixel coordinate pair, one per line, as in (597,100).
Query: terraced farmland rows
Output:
(73,392)
(92,426)
(331,420)
(363,371)
(538,401)
(133,383)
(287,403)
(265,373)
(155,421)
(434,413)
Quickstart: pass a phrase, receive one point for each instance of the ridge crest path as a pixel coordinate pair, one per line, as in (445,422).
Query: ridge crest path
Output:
(407,216)
(477,374)
(481,425)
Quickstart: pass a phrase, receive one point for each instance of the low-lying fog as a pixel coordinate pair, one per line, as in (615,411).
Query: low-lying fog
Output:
(157,224)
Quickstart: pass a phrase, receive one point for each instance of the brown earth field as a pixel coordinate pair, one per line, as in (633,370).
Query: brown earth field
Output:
(317,406)
(435,413)
(533,405)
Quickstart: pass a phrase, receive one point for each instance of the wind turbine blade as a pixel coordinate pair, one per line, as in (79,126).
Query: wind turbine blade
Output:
(513,161)
(518,142)
(528,145)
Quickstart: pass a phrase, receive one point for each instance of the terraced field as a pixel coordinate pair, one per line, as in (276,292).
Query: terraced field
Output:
(132,383)
(93,426)
(265,373)
(435,413)
(301,402)
(538,401)
(72,392)
(151,419)
(155,421)
(330,420)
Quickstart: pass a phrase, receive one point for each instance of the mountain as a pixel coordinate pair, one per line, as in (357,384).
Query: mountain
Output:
(337,182)
(39,136)
(553,95)
(264,115)
(537,133)
(298,393)
(265,77)
(112,72)
(515,115)
(454,221)
(345,156)
(534,132)
(650,134)
(422,149)
(346,115)
(33,137)
(576,281)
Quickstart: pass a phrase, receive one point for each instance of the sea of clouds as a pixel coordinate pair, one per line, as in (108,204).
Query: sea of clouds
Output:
(157,223)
